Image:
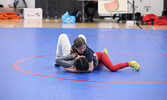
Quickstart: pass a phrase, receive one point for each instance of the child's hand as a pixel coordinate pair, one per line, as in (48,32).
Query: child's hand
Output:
(79,56)
(74,54)
(72,67)
(95,56)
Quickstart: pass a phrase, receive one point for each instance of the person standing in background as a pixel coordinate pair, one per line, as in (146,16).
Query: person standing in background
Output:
(89,14)
(51,9)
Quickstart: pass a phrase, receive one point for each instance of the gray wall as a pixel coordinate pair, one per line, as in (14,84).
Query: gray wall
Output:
(61,5)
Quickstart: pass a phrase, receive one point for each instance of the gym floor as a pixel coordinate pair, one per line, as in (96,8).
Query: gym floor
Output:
(28,55)
(99,23)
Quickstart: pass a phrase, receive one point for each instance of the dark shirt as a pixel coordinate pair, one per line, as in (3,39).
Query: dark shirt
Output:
(88,54)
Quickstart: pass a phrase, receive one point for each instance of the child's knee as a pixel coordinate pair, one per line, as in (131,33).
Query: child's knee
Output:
(81,35)
(63,35)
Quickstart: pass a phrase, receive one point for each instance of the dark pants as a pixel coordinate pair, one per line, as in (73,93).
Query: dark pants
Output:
(90,4)
(51,8)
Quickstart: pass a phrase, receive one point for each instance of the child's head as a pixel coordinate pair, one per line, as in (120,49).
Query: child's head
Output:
(81,64)
(80,45)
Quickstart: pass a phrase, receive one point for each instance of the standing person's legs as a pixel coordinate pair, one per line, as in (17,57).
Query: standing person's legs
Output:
(94,6)
(87,12)
(47,9)
(55,9)
(63,46)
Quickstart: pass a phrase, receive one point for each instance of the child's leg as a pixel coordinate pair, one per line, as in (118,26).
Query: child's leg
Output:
(63,45)
(81,35)
(102,58)
(106,53)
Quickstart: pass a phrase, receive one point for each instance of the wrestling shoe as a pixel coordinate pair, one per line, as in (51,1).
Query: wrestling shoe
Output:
(105,52)
(135,65)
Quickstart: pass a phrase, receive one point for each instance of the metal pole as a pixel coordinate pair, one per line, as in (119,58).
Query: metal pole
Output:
(133,12)
(83,10)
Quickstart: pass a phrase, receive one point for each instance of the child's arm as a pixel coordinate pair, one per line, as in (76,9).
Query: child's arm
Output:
(74,70)
(90,66)
(65,61)
(70,69)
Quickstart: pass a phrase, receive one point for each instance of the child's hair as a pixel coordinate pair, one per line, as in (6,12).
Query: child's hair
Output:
(81,64)
(78,42)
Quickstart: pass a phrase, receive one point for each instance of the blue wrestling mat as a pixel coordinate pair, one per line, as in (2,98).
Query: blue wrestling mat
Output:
(28,71)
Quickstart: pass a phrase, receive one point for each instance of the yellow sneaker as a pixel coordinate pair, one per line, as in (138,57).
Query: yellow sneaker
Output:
(135,65)
(105,52)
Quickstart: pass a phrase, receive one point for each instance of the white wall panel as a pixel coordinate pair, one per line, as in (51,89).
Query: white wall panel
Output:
(30,3)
